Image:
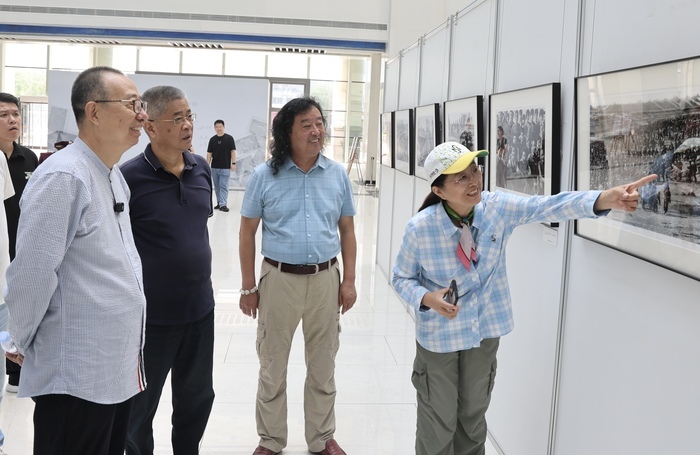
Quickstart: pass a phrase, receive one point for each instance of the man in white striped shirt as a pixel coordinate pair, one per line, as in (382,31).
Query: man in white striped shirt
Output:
(75,292)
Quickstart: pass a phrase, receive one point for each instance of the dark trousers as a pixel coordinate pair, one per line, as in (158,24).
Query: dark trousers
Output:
(66,425)
(13,371)
(187,352)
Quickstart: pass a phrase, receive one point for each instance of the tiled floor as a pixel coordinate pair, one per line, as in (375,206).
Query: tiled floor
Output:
(375,410)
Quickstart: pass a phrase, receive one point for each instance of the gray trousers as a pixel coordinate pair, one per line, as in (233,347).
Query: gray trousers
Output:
(454,392)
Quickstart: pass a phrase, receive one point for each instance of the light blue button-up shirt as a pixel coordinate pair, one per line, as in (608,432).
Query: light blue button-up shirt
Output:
(300,211)
(427,262)
(74,289)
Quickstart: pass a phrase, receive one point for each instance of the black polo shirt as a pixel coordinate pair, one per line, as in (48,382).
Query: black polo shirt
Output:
(169,221)
(21,163)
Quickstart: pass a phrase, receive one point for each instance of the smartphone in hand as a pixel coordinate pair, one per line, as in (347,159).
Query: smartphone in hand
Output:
(452,296)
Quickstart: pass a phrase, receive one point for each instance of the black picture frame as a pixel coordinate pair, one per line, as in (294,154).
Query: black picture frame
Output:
(464,120)
(386,155)
(403,141)
(631,123)
(427,136)
(528,162)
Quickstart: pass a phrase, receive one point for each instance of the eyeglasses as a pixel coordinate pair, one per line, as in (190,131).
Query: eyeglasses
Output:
(177,121)
(137,105)
(474,174)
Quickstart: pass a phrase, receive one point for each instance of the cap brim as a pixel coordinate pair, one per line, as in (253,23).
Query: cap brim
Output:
(464,161)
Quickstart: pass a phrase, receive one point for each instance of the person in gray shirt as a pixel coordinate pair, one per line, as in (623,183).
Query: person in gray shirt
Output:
(74,289)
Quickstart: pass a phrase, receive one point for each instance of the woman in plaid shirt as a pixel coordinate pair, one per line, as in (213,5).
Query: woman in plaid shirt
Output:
(461,233)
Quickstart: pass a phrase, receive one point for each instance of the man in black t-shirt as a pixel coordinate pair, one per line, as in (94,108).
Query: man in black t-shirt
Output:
(221,155)
(21,162)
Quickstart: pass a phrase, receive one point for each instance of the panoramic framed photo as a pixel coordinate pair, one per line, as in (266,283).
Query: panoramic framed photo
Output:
(386,156)
(524,141)
(427,136)
(632,123)
(403,141)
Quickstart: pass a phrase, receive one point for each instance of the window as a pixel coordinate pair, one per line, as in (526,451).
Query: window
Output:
(291,66)
(70,57)
(244,63)
(159,60)
(26,55)
(124,58)
(25,69)
(202,61)
(328,68)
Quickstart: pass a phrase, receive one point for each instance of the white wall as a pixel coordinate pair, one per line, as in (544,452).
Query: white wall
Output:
(411,19)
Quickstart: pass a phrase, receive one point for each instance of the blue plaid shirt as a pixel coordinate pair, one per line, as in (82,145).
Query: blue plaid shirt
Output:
(427,262)
(300,211)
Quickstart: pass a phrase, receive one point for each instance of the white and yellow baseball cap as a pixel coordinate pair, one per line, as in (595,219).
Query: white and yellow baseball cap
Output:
(449,158)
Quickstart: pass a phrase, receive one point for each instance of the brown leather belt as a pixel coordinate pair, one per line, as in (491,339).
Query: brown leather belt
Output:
(308,269)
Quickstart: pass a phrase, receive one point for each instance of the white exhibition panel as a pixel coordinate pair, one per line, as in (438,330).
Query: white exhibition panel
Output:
(434,67)
(472,50)
(403,211)
(391,85)
(530,36)
(409,78)
(630,374)
(241,102)
(519,416)
(420,192)
(385,214)
(627,33)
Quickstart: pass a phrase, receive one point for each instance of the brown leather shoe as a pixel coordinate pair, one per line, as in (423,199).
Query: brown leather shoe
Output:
(264,451)
(332,448)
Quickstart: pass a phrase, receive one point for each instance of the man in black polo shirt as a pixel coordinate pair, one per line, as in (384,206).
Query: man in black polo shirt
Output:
(170,204)
(21,161)
(221,154)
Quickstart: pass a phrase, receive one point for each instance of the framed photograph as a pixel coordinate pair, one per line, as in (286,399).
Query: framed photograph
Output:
(636,122)
(403,137)
(463,122)
(524,141)
(427,136)
(386,157)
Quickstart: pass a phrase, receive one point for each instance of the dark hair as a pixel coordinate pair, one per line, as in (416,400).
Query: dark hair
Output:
(280,146)
(89,86)
(7,98)
(219,121)
(159,97)
(432,198)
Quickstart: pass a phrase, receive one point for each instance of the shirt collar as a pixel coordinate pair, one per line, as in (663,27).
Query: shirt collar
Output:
(155,163)
(17,151)
(83,148)
(321,162)
(444,221)
(448,227)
